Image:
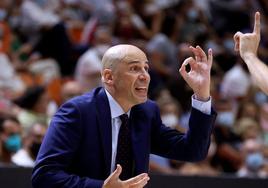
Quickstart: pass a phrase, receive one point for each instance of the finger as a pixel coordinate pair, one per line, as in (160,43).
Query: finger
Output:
(141,183)
(190,60)
(193,65)
(183,71)
(237,40)
(196,53)
(210,56)
(202,54)
(116,173)
(257,23)
(136,179)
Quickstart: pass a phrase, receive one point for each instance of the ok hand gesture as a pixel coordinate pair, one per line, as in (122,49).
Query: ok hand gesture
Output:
(198,78)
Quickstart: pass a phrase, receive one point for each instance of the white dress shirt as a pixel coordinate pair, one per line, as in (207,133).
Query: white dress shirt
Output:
(116,111)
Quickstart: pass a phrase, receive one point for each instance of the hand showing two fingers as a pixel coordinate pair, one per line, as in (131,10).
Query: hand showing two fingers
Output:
(113,180)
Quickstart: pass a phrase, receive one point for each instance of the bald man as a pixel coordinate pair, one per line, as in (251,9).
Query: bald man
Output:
(247,45)
(85,145)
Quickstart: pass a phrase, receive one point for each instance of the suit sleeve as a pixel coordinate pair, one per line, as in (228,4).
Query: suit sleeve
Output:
(191,146)
(57,151)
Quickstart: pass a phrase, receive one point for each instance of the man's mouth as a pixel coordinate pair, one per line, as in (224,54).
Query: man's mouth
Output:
(142,90)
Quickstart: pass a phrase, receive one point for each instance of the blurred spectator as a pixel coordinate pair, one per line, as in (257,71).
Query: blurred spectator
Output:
(203,168)
(264,123)
(5,33)
(33,104)
(69,90)
(10,139)
(26,156)
(248,109)
(46,34)
(103,10)
(46,69)
(170,115)
(236,83)
(170,111)
(254,165)
(10,83)
(230,15)
(264,117)
(227,156)
(160,164)
(248,128)
(87,72)
(193,24)
(162,52)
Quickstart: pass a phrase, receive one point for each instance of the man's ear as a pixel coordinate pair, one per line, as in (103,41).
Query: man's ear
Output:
(107,76)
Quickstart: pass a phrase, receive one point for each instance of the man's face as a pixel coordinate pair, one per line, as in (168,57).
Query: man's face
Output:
(131,79)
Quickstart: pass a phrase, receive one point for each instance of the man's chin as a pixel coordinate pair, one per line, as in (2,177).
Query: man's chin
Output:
(142,99)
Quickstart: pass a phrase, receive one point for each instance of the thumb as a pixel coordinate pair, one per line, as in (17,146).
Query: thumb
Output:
(237,40)
(116,173)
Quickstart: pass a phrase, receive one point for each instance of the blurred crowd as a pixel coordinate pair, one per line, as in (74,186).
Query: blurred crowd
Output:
(51,50)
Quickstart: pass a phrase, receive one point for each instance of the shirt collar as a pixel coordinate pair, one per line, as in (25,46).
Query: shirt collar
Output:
(115,108)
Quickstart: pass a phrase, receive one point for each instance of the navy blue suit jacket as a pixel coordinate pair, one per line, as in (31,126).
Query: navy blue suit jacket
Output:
(77,149)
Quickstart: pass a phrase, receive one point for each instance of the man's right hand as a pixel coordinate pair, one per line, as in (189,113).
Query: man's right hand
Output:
(247,43)
(113,180)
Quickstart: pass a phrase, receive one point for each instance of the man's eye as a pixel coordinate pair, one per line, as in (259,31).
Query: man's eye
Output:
(146,69)
(134,68)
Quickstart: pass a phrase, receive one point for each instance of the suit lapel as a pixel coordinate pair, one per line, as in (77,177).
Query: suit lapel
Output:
(105,127)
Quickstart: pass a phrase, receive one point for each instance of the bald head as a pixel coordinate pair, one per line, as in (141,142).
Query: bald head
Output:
(120,53)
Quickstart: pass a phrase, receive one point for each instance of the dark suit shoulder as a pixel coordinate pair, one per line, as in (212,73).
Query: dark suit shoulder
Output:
(79,109)
(85,100)
(149,108)
(148,105)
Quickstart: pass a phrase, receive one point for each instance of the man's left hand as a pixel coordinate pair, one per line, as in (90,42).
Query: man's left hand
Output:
(198,78)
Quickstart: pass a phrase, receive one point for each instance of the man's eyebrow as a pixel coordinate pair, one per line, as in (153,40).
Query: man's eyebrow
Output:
(136,62)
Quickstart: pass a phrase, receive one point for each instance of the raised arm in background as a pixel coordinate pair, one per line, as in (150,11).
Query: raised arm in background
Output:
(247,45)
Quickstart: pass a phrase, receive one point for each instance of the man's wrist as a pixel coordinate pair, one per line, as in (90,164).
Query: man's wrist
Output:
(201,98)
(248,56)
(203,106)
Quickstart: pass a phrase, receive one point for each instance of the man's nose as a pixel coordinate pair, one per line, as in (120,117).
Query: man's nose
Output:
(144,75)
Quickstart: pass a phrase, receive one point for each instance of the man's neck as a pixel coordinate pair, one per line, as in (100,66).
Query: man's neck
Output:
(119,100)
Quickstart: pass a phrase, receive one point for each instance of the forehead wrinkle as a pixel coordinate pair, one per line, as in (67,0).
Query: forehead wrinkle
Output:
(137,62)
(134,56)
